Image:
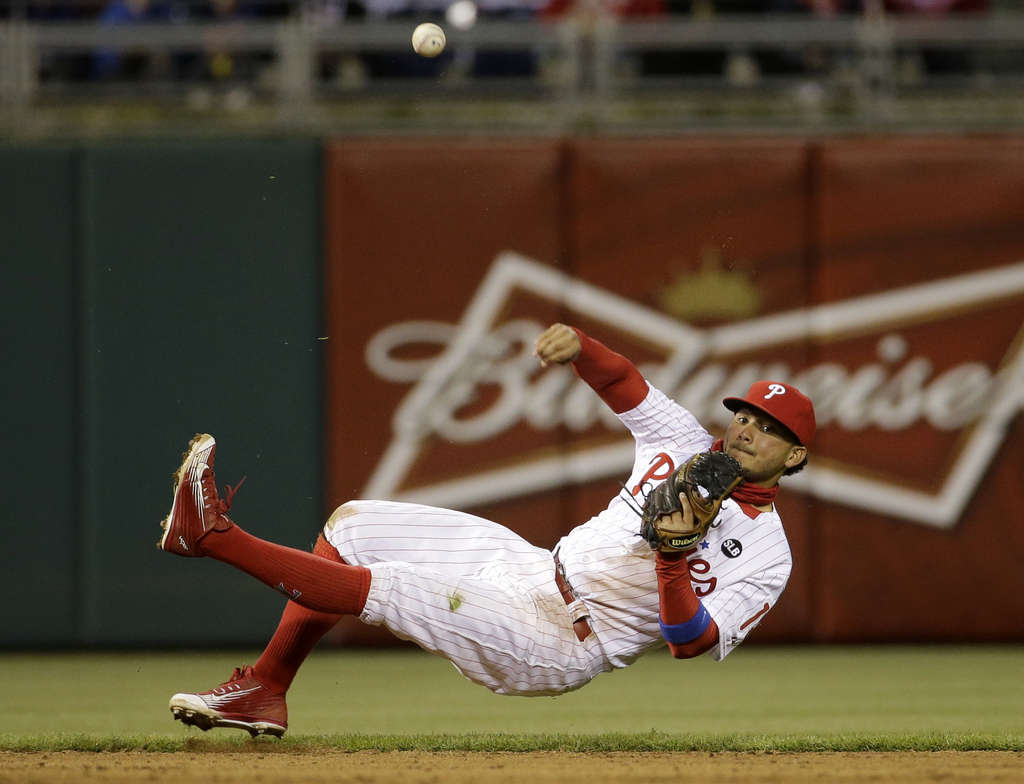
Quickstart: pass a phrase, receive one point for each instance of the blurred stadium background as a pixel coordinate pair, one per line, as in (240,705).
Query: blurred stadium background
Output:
(265,220)
(547,66)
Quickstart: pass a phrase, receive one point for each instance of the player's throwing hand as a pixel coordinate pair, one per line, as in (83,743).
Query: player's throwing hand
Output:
(558,344)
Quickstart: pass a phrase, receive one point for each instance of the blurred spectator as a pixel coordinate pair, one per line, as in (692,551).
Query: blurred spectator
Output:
(558,8)
(554,9)
(955,61)
(115,63)
(815,7)
(500,63)
(813,61)
(404,63)
(668,62)
(60,66)
(275,9)
(480,62)
(935,7)
(56,10)
(329,12)
(346,69)
(218,62)
(650,62)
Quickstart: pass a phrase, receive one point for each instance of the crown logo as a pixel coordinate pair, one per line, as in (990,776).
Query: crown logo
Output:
(713,292)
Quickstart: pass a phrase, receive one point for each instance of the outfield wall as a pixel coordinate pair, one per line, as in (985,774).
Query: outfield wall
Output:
(152,291)
(290,297)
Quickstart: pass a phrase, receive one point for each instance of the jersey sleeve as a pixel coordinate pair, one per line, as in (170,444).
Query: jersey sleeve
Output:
(740,608)
(660,422)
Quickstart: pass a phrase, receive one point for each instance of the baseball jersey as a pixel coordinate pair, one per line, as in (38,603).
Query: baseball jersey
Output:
(738,571)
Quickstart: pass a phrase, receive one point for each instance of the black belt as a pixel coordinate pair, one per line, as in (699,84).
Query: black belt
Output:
(579,624)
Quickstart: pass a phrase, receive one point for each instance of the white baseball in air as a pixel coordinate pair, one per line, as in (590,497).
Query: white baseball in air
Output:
(428,39)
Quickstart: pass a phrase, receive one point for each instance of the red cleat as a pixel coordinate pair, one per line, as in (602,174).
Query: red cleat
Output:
(197,508)
(242,702)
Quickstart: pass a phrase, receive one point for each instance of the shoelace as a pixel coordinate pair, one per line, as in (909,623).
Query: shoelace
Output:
(222,505)
(229,493)
(243,672)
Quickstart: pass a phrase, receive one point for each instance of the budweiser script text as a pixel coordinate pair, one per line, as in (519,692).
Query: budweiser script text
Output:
(892,393)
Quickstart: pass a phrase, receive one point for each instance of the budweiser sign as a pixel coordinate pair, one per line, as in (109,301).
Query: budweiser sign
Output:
(913,395)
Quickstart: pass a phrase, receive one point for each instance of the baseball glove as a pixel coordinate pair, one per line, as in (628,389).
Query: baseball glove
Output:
(706,479)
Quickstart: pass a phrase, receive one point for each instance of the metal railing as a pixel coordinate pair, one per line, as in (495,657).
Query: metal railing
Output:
(590,72)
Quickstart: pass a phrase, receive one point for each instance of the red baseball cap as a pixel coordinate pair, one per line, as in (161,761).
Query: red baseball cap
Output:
(782,402)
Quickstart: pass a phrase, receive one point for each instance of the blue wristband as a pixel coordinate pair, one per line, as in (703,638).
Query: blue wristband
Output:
(682,633)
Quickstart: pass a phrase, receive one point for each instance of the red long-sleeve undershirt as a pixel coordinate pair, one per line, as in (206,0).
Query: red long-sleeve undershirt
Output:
(621,386)
(615,379)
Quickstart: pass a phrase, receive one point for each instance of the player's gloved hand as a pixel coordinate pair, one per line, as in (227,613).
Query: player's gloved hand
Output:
(557,344)
(679,511)
(675,532)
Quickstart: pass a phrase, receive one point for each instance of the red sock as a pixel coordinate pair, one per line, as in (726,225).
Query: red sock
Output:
(297,634)
(310,580)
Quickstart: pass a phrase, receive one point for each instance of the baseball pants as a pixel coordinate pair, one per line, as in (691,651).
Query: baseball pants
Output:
(467,589)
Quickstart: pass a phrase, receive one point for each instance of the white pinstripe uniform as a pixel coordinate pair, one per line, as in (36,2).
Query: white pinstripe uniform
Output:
(480,595)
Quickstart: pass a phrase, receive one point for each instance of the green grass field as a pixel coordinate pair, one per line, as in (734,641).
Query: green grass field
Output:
(828,698)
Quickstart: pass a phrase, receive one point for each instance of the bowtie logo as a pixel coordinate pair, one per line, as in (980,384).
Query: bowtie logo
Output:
(890,372)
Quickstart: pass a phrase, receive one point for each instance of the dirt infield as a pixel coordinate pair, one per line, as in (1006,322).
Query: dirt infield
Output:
(489,768)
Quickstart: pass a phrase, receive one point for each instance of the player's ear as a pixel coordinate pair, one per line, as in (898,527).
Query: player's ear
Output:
(797,454)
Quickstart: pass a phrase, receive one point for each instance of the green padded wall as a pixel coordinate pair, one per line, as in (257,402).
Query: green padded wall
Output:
(200,312)
(39,491)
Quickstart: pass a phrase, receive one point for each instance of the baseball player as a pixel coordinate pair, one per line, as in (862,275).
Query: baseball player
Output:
(513,617)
